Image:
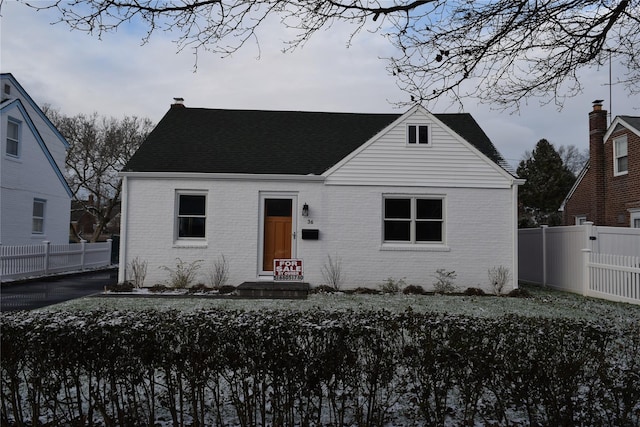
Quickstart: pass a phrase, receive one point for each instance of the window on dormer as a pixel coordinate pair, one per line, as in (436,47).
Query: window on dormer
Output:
(620,155)
(417,134)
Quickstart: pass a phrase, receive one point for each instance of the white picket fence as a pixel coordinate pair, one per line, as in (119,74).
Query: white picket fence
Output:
(601,262)
(17,262)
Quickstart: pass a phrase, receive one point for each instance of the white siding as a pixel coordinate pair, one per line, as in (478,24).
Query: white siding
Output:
(445,162)
(23,179)
(478,224)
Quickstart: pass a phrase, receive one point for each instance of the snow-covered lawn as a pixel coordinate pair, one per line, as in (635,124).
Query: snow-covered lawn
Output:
(542,303)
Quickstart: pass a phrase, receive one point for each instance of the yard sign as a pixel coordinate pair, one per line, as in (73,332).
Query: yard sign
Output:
(287,269)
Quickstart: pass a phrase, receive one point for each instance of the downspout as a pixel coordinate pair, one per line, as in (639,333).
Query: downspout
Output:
(514,218)
(124,219)
(514,226)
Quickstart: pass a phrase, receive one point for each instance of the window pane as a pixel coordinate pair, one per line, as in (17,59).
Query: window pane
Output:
(428,231)
(37,225)
(423,138)
(412,134)
(397,230)
(621,147)
(277,207)
(397,208)
(38,209)
(623,164)
(12,130)
(429,209)
(191,227)
(192,205)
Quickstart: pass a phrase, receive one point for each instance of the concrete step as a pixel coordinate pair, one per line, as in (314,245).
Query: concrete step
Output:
(273,290)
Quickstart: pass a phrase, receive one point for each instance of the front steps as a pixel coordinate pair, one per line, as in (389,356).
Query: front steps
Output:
(273,290)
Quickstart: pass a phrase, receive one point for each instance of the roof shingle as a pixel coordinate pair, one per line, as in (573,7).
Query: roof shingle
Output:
(271,142)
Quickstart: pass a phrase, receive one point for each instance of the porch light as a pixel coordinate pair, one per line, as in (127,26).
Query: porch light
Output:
(305,210)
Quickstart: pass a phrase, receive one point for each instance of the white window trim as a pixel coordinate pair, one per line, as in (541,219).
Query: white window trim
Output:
(581,219)
(42,218)
(417,143)
(634,215)
(616,172)
(413,245)
(190,241)
(18,141)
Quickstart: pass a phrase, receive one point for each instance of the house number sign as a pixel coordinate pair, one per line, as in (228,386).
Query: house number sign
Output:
(287,269)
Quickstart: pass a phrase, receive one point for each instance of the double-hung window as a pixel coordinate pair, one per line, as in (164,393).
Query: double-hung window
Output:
(417,134)
(37,223)
(192,215)
(415,219)
(620,155)
(13,138)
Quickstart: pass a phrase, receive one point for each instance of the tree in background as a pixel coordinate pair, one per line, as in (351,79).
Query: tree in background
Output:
(500,52)
(99,149)
(548,180)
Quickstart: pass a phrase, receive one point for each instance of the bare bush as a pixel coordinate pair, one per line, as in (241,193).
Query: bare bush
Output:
(138,269)
(498,277)
(332,272)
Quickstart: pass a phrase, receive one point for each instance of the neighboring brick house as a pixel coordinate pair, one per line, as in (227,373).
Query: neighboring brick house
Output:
(607,191)
(391,195)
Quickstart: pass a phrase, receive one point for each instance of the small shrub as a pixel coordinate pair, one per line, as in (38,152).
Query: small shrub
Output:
(323,289)
(498,277)
(226,289)
(413,290)
(445,280)
(474,292)
(184,274)
(392,286)
(157,288)
(138,269)
(120,287)
(218,274)
(200,287)
(519,293)
(365,291)
(332,272)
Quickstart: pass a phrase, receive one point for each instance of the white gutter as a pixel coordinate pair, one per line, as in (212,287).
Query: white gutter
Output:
(222,176)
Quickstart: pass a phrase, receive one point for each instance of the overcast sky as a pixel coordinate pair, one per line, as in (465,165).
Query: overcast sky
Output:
(116,76)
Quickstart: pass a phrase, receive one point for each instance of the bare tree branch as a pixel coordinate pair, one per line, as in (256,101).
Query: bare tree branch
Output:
(501,52)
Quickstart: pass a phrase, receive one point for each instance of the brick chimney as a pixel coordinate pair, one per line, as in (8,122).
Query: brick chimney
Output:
(597,129)
(178,103)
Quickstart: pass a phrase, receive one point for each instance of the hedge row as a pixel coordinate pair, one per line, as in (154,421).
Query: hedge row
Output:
(315,368)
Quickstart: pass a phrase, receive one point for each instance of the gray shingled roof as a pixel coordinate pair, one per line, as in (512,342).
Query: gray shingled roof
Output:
(632,121)
(271,142)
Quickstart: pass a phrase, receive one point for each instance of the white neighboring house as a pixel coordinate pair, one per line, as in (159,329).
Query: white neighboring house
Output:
(35,199)
(390,195)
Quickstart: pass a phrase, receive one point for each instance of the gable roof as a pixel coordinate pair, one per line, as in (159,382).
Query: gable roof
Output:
(34,106)
(9,105)
(271,142)
(630,122)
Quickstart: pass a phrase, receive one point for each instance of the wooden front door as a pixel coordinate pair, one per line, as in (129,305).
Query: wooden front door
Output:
(277,231)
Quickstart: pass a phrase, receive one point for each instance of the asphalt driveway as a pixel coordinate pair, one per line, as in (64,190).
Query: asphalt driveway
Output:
(53,290)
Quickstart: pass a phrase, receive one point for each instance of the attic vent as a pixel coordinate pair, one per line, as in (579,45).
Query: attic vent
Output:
(7,89)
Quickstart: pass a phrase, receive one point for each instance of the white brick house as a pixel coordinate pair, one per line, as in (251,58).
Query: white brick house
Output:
(391,196)
(35,199)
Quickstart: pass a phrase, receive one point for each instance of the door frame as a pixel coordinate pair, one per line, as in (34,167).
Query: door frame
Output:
(263,195)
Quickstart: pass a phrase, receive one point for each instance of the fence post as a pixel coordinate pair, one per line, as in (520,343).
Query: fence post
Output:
(83,246)
(544,254)
(110,241)
(586,273)
(46,244)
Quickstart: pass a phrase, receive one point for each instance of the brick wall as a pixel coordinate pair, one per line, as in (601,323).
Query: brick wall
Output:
(479,234)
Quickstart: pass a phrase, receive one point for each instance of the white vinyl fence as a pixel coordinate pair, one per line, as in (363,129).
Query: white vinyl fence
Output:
(602,262)
(18,262)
